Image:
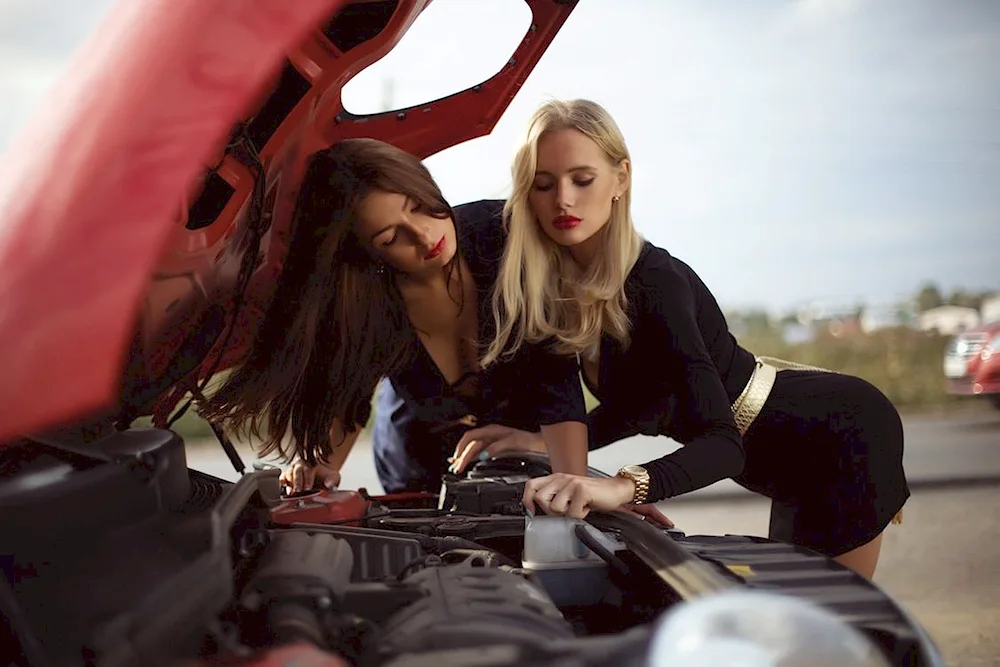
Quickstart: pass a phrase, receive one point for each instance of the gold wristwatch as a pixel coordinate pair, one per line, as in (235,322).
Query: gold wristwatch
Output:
(640,477)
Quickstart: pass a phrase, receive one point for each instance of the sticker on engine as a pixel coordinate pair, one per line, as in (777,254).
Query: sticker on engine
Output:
(741,570)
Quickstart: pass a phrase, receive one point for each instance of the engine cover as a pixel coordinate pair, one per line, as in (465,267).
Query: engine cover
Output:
(327,507)
(467,606)
(110,484)
(484,495)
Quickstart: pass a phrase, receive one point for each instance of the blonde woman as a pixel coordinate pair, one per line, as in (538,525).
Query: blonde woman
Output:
(655,349)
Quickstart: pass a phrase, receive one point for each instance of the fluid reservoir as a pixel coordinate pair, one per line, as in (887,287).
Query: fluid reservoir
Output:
(570,571)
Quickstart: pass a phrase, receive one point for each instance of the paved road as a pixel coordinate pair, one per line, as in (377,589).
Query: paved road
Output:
(938,451)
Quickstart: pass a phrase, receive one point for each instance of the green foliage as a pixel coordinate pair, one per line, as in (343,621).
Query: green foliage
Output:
(903,363)
(929,297)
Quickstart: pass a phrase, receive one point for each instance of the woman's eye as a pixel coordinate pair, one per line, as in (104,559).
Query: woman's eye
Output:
(543,187)
(583,184)
(390,241)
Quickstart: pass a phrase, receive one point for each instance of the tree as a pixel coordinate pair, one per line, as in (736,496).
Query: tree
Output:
(929,297)
(966,299)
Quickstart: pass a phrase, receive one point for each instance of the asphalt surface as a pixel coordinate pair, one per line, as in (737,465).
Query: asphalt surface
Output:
(942,563)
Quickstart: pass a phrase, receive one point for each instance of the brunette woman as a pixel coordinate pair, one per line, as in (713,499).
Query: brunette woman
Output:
(383,279)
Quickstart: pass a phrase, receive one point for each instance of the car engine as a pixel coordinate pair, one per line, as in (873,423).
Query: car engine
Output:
(115,553)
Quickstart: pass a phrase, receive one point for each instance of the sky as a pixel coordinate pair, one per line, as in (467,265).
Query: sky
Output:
(791,151)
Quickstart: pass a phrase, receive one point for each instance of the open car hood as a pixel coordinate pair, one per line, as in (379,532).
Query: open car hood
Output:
(127,269)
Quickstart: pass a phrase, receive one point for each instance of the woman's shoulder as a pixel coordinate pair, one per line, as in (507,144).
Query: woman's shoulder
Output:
(480,217)
(662,281)
(656,269)
(479,225)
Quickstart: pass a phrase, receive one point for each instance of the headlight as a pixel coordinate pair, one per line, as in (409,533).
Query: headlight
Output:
(991,348)
(755,629)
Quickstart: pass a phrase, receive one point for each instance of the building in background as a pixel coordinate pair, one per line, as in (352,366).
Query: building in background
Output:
(949,320)
(989,311)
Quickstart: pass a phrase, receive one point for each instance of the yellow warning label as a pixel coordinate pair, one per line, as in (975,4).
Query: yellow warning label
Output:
(741,570)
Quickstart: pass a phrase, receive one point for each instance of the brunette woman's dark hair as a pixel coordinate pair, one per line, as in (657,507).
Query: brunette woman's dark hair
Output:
(337,323)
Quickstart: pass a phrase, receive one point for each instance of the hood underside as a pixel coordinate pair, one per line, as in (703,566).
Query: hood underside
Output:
(128,270)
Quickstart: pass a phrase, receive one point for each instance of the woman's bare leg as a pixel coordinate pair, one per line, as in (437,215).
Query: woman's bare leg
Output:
(863,559)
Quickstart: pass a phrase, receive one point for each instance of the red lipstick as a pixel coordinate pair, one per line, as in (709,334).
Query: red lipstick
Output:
(436,250)
(565,222)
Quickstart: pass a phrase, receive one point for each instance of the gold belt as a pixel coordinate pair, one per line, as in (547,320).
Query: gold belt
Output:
(749,403)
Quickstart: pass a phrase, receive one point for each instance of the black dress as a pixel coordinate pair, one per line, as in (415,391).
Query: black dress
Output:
(825,445)
(420,417)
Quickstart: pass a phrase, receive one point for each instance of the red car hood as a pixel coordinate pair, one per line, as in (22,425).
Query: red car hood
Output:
(117,260)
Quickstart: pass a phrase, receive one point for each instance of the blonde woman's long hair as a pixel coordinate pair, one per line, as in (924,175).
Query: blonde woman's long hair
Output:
(541,293)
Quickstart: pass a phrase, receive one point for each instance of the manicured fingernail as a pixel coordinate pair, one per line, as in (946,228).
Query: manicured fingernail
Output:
(483,455)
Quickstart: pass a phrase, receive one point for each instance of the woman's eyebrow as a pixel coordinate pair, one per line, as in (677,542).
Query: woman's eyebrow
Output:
(571,170)
(380,232)
(406,202)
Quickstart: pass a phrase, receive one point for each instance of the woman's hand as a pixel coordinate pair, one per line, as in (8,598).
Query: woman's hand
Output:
(574,496)
(486,441)
(302,477)
(650,512)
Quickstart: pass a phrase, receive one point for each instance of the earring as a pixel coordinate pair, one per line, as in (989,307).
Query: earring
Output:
(380,269)
(615,198)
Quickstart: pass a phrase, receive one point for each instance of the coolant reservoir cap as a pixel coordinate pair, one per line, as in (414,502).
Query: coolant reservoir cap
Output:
(552,540)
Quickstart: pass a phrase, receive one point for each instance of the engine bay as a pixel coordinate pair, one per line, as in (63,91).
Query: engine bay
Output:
(117,554)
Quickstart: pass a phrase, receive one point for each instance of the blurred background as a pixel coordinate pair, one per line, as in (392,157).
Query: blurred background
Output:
(831,168)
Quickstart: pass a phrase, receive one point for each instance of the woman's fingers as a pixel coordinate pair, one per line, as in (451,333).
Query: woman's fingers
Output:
(488,441)
(540,492)
(301,477)
(473,450)
(561,500)
(579,507)
(481,450)
(652,513)
(486,434)
(576,496)
(332,480)
(305,478)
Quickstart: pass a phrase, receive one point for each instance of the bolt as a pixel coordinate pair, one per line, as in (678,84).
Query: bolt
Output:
(401,115)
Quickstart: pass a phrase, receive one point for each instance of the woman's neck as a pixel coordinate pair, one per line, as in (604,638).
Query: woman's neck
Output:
(585,253)
(419,287)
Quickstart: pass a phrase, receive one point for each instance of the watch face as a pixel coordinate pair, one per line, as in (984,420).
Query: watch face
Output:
(635,470)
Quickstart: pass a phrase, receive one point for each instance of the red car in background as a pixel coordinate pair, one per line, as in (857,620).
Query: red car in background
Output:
(972,363)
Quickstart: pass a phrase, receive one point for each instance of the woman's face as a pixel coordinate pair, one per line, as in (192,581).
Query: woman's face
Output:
(398,234)
(574,186)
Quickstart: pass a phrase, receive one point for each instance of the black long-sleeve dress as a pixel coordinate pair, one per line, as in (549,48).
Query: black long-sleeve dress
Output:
(420,417)
(827,445)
